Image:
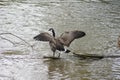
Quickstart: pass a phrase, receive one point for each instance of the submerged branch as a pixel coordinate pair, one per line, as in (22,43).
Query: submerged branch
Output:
(96,56)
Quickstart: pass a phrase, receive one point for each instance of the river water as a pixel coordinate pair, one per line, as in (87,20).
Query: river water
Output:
(100,19)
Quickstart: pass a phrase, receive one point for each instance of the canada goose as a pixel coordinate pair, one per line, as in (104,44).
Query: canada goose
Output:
(58,43)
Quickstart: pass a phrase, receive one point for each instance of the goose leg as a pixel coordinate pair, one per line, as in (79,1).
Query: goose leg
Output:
(59,55)
(53,54)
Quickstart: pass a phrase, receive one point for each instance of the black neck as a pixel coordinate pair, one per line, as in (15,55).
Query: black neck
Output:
(53,33)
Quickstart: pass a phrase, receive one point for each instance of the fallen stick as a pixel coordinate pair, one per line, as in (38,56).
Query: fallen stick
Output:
(51,57)
(96,56)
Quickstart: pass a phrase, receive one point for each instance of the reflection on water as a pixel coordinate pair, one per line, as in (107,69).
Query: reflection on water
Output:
(116,69)
(78,69)
(100,19)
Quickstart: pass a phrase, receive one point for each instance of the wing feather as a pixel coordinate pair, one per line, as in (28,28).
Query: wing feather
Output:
(44,37)
(67,37)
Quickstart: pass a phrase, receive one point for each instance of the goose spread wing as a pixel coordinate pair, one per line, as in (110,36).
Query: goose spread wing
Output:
(67,37)
(44,37)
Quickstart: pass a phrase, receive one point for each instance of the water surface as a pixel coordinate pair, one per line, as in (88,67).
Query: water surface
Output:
(100,19)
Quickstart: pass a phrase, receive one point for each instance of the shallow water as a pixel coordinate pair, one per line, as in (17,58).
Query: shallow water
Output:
(100,19)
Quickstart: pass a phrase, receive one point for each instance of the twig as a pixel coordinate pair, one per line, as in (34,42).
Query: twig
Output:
(17,37)
(7,40)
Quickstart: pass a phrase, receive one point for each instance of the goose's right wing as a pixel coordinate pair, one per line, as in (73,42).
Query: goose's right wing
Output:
(44,37)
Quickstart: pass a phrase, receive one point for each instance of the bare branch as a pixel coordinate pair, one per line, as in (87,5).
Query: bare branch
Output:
(7,40)
(15,36)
